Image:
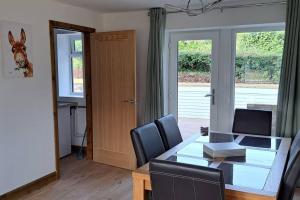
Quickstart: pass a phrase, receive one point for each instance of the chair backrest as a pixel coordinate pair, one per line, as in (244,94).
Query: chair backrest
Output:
(256,122)
(172,181)
(147,143)
(169,131)
(292,173)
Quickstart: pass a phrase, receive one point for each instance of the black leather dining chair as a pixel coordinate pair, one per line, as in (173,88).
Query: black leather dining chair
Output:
(147,143)
(256,122)
(292,173)
(169,131)
(172,181)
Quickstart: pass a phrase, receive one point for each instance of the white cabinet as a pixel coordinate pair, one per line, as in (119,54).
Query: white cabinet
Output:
(78,124)
(64,129)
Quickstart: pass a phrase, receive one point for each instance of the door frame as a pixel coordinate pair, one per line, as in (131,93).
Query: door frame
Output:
(86,31)
(173,72)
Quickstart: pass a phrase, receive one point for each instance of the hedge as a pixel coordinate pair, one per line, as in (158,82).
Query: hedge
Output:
(264,67)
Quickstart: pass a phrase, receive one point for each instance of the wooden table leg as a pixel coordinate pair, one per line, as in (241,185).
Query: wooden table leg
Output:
(138,188)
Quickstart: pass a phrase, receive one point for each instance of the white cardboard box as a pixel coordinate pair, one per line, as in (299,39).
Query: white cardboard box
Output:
(226,149)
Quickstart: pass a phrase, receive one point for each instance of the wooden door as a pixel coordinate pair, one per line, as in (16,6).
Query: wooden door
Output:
(113,97)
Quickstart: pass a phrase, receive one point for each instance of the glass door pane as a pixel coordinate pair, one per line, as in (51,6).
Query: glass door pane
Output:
(257,70)
(194,84)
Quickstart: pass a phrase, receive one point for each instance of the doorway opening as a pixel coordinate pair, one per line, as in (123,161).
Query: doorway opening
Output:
(71,84)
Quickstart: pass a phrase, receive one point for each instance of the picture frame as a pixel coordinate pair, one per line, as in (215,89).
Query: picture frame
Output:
(16,50)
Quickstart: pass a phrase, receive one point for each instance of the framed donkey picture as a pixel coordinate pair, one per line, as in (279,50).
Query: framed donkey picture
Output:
(16,48)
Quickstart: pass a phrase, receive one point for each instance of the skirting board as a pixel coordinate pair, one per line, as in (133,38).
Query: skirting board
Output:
(37,184)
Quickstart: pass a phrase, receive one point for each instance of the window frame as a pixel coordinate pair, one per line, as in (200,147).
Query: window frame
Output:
(75,54)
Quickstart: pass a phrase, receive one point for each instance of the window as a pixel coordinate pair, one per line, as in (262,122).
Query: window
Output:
(70,64)
(77,73)
(257,69)
(77,45)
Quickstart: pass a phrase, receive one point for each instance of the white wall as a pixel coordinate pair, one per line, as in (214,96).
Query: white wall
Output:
(63,64)
(137,21)
(26,119)
(179,22)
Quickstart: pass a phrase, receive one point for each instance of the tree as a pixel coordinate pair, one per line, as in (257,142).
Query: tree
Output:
(260,43)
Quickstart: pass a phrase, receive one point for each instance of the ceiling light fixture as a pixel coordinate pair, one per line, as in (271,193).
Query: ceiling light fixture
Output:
(195,11)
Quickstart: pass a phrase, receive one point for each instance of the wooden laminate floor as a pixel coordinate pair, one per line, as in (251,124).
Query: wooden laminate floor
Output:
(86,180)
(297,194)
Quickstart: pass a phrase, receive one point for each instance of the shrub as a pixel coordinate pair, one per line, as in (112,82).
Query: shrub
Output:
(266,68)
(194,62)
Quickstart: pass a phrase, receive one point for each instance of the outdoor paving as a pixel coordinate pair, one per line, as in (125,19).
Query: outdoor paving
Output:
(190,126)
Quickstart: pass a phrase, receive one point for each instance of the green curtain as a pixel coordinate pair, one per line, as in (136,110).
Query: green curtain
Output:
(288,114)
(154,86)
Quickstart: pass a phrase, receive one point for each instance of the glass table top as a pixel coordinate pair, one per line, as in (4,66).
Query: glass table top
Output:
(189,160)
(255,157)
(258,157)
(217,138)
(249,171)
(268,143)
(203,139)
(194,150)
(244,175)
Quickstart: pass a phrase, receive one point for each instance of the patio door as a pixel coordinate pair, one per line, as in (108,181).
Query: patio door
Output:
(193,76)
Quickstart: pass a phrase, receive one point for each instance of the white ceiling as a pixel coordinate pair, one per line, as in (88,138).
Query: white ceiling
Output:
(131,5)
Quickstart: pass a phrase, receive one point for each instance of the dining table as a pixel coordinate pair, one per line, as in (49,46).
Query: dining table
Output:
(257,175)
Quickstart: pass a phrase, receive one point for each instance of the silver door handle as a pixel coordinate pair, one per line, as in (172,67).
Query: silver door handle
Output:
(129,101)
(212,95)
